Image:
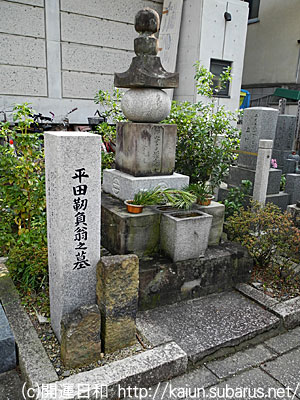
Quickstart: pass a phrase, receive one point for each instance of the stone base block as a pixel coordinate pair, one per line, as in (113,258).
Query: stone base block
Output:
(184,234)
(292,187)
(80,336)
(281,157)
(7,344)
(117,297)
(124,233)
(165,282)
(237,174)
(125,186)
(146,149)
(281,199)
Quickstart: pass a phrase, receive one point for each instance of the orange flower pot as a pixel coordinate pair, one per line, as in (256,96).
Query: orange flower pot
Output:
(133,208)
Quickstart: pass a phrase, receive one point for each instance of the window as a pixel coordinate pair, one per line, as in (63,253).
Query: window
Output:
(216,68)
(253,8)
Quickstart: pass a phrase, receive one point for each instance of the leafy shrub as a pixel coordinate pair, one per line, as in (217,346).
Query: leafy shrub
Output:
(235,198)
(267,233)
(23,200)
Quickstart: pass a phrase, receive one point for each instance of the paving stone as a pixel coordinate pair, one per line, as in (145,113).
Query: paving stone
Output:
(202,326)
(253,384)
(11,386)
(240,361)
(286,369)
(257,295)
(285,342)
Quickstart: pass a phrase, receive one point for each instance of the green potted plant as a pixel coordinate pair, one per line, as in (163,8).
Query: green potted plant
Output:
(174,197)
(202,191)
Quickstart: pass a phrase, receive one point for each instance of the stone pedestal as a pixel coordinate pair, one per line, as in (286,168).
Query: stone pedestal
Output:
(145,149)
(238,174)
(125,186)
(117,296)
(73,188)
(292,187)
(258,123)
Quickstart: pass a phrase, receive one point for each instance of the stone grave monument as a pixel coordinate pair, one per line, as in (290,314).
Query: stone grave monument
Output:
(258,123)
(283,143)
(145,150)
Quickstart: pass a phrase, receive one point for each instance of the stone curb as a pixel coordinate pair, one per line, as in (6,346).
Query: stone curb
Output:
(36,368)
(142,370)
(288,311)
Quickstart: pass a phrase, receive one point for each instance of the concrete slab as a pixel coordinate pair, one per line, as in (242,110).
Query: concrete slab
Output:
(289,311)
(257,295)
(240,361)
(285,342)
(285,369)
(11,386)
(253,384)
(202,326)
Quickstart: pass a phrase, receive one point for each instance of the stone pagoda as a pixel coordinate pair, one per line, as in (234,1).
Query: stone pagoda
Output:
(145,149)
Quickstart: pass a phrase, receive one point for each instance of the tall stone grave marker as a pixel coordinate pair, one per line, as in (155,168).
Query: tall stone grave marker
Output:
(283,141)
(73,188)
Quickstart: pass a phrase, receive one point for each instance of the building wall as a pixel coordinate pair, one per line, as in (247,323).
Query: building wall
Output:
(58,54)
(205,35)
(272,51)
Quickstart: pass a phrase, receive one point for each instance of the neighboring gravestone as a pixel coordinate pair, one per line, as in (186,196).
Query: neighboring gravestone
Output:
(258,123)
(73,188)
(80,336)
(7,344)
(284,140)
(117,296)
(292,187)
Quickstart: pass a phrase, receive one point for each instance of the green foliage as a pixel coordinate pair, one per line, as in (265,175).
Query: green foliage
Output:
(107,160)
(200,190)
(22,199)
(204,80)
(175,197)
(267,233)
(282,182)
(235,198)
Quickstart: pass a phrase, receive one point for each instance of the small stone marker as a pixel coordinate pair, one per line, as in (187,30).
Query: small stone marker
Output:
(73,188)
(117,296)
(258,123)
(262,171)
(80,336)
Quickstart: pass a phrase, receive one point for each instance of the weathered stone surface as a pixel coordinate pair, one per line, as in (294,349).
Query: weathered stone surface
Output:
(262,171)
(73,185)
(125,186)
(258,123)
(146,105)
(142,370)
(117,296)
(285,132)
(80,336)
(292,187)
(146,69)
(7,344)
(184,234)
(295,211)
(257,295)
(34,363)
(202,326)
(217,211)
(289,311)
(11,386)
(124,233)
(237,174)
(164,282)
(240,361)
(253,384)
(144,149)
(285,342)
(285,369)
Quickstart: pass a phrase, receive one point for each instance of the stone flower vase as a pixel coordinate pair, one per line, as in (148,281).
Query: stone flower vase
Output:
(184,234)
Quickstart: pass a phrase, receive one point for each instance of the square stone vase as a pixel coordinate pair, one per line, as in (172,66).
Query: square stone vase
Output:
(184,234)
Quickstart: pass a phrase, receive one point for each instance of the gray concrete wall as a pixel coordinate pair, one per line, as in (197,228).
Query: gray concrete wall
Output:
(58,54)
(272,51)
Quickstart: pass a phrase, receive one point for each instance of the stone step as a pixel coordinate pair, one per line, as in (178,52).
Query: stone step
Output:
(203,326)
